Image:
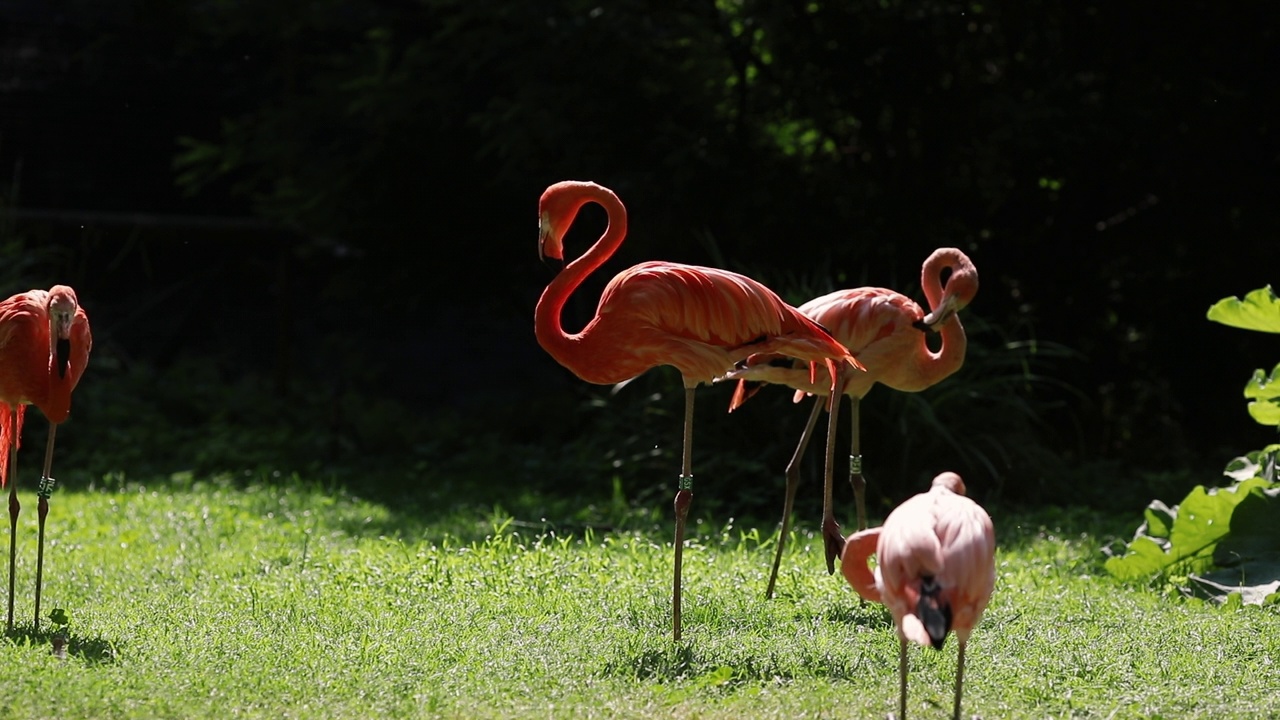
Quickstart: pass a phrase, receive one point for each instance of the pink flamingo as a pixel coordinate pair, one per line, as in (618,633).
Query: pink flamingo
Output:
(886,331)
(44,348)
(936,568)
(699,320)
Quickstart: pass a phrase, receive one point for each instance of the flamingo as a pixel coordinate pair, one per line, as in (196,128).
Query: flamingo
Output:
(936,568)
(886,331)
(44,347)
(699,320)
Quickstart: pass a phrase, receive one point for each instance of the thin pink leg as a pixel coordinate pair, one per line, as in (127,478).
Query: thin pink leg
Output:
(793,482)
(42,511)
(684,497)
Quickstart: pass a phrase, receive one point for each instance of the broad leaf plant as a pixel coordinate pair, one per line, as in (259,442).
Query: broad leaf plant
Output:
(1223,544)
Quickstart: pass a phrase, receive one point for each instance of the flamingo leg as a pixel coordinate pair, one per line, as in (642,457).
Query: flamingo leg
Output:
(834,541)
(42,511)
(855,467)
(14,508)
(684,497)
(959,680)
(793,482)
(902,679)
(14,420)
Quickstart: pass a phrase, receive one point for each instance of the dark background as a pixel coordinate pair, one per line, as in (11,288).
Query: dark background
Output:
(304,231)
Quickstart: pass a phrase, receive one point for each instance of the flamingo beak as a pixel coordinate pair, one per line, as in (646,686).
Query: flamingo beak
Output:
(945,312)
(549,245)
(62,356)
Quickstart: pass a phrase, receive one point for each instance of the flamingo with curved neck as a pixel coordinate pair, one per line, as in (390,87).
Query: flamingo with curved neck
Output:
(886,331)
(700,320)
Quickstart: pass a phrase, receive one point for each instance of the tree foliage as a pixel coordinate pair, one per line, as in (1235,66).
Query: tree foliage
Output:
(1105,171)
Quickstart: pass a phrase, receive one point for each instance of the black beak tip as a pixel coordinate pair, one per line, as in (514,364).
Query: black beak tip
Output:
(62,354)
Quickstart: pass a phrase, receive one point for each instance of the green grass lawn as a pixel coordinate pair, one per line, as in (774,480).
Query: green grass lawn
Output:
(211,599)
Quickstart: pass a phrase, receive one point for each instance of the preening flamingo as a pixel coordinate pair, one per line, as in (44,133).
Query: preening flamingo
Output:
(886,331)
(699,320)
(935,570)
(44,347)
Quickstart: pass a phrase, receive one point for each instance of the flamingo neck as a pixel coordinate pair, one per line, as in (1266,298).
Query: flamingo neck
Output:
(931,278)
(56,403)
(950,356)
(858,549)
(546,317)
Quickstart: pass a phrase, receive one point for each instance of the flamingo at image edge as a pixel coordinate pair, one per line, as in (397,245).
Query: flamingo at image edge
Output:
(935,570)
(44,347)
(699,320)
(886,331)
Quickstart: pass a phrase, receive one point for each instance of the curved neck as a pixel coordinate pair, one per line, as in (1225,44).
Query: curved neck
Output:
(546,316)
(950,356)
(858,549)
(931,278)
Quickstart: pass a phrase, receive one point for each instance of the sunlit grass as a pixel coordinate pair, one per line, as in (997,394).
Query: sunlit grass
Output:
(208,599)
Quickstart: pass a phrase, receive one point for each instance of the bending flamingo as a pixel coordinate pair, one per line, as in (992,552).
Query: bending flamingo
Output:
(936,568)
(886,331)
(44,347)
(699,320)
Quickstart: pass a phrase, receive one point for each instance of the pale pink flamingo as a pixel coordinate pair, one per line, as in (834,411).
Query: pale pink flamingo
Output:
(935,570)
(886,331)
(699,320)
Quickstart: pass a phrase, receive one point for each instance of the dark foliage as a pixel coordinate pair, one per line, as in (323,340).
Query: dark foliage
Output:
(1111,168)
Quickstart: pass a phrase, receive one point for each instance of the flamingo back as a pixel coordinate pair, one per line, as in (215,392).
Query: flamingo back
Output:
(24,348)
(703,320)
(875,324)
(946,540)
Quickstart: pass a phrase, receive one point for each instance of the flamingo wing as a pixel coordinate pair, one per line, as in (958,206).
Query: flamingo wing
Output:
(861,317)
(702,320)
(969,544)
(81,344)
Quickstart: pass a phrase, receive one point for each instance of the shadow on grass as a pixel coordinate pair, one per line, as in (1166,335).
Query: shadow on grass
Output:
(712,668)
(649,655)
(91,650)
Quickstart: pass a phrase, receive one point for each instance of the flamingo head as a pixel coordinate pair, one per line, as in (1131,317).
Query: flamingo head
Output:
(62,307)
(951,282)
(951,481)
(557,210)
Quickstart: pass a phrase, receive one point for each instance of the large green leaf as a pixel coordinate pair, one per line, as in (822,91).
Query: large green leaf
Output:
(1220,585)
(1255,534)
(1260,310)
(1264,390)
(1202,519)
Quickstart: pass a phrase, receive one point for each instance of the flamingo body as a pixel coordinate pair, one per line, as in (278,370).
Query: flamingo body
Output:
(700,320)
(44,348)
(935,558)
(886,331)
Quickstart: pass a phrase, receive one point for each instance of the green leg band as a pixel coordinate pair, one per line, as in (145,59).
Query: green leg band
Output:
(855,464)
(686,483)
(45,489)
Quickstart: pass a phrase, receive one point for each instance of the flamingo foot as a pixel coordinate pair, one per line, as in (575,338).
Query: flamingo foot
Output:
(833,541)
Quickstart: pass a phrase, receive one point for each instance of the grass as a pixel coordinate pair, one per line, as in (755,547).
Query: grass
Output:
(214,599)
